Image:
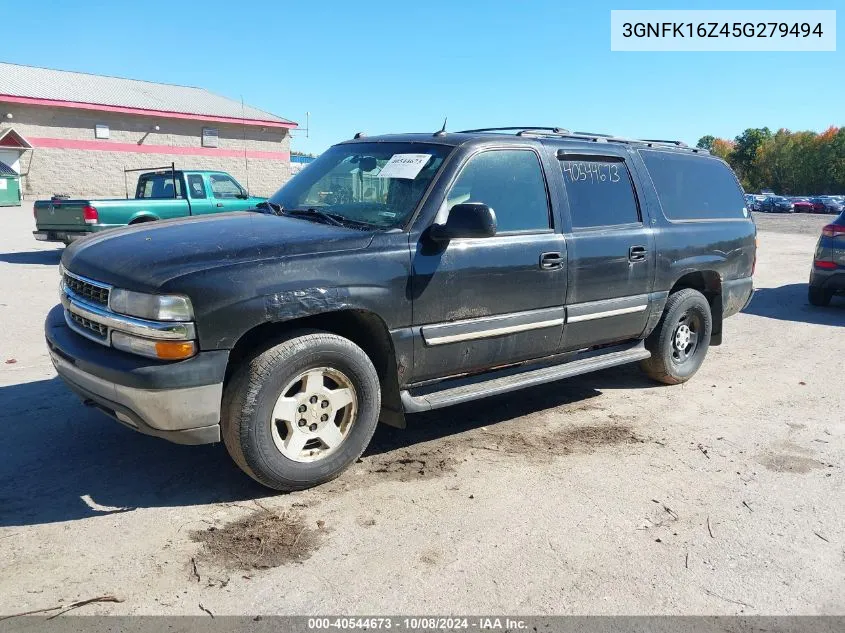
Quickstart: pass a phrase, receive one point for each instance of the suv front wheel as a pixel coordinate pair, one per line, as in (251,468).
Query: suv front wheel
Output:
(679,342)
(298,413)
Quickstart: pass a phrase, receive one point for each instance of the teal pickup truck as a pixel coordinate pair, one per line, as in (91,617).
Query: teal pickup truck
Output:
(159,195)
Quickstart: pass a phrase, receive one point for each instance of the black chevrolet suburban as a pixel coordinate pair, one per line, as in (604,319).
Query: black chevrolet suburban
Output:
(403,273)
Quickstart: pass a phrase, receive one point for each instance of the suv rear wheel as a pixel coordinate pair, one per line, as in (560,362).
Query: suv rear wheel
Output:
(818,296)
(298,413)
(679,343)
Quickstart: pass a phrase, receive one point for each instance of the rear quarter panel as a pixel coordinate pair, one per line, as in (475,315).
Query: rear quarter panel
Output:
(831,249)
(724,246)
(114,213)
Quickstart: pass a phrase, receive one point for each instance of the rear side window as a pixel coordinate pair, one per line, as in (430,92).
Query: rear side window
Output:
(196,186)
(600,193)
(691,187)
(158,186)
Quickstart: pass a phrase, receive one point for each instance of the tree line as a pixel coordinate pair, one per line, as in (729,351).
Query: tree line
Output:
(788,163)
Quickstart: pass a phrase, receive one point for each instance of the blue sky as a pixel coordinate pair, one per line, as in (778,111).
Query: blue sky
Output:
(402,66)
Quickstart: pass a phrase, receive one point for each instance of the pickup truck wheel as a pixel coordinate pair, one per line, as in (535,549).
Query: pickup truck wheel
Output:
(298,413)
(818,296)
(680,341)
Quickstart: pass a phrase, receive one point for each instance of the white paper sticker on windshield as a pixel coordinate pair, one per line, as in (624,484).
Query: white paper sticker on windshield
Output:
(404,166)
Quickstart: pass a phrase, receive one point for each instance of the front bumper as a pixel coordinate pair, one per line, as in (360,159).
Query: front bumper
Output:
(178,401)
(65,237)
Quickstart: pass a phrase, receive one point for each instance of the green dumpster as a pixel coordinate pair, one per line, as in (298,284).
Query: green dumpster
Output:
(10,187)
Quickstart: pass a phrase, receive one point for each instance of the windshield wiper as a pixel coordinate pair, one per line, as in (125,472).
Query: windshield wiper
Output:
(272,207)
(329,218)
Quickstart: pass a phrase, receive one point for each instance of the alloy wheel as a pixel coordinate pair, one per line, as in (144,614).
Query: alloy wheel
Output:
(314,414)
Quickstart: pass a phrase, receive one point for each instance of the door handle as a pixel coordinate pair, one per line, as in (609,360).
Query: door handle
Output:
(637,253)
(219,204)
(551,261)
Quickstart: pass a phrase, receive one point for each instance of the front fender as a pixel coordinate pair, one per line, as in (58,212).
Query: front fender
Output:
(225,325)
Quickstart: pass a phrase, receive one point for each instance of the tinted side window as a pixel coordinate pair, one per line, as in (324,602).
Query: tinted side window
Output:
(224,186)
(158,186)
(196,186)
(511,183)
(694,187)
(600,193)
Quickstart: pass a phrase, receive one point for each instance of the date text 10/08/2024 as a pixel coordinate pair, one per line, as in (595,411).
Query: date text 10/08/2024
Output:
(421,623)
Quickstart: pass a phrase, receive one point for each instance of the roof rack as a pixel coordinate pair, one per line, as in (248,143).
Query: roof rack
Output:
(664,142)
(595,137)
(519,129)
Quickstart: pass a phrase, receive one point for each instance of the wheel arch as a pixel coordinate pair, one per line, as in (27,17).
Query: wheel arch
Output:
(140,218)
(708,283)
(364,328)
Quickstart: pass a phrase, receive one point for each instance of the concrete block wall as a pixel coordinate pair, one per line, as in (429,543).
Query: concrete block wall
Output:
(99,172)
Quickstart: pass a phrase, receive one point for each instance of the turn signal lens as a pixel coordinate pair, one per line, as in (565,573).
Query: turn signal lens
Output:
(756,248)
(163,350)
(175,350)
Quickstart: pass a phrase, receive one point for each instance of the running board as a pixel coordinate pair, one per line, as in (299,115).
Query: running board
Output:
(491,385)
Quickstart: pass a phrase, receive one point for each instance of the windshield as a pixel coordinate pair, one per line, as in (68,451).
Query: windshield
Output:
(374,184)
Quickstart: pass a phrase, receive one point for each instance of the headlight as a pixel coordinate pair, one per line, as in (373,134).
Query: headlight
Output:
(61,281)
(164,350)
(153,307)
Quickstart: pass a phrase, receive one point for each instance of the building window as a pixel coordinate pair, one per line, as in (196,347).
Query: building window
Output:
(101,131)
(210,137)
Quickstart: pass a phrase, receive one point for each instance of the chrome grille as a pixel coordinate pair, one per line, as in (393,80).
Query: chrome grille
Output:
(86,290)
(95,329)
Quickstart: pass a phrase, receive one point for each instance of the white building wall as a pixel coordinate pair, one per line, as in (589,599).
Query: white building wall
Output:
(85,172)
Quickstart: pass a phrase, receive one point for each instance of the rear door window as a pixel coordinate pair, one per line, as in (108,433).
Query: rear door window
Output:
(159,186)
(600,193)
(196,186)
(692,187)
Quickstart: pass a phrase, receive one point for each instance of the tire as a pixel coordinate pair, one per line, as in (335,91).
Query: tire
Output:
(267,447)
(669,364)
(818,296)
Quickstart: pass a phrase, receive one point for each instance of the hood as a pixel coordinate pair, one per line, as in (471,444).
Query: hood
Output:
(147,256)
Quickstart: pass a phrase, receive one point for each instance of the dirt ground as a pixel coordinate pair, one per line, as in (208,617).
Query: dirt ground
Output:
(604,494)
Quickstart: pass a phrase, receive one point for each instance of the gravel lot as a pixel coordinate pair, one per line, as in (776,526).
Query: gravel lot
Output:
(800,223)
(604,494)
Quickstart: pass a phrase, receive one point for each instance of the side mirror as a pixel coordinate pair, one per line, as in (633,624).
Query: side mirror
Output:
(469,219)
